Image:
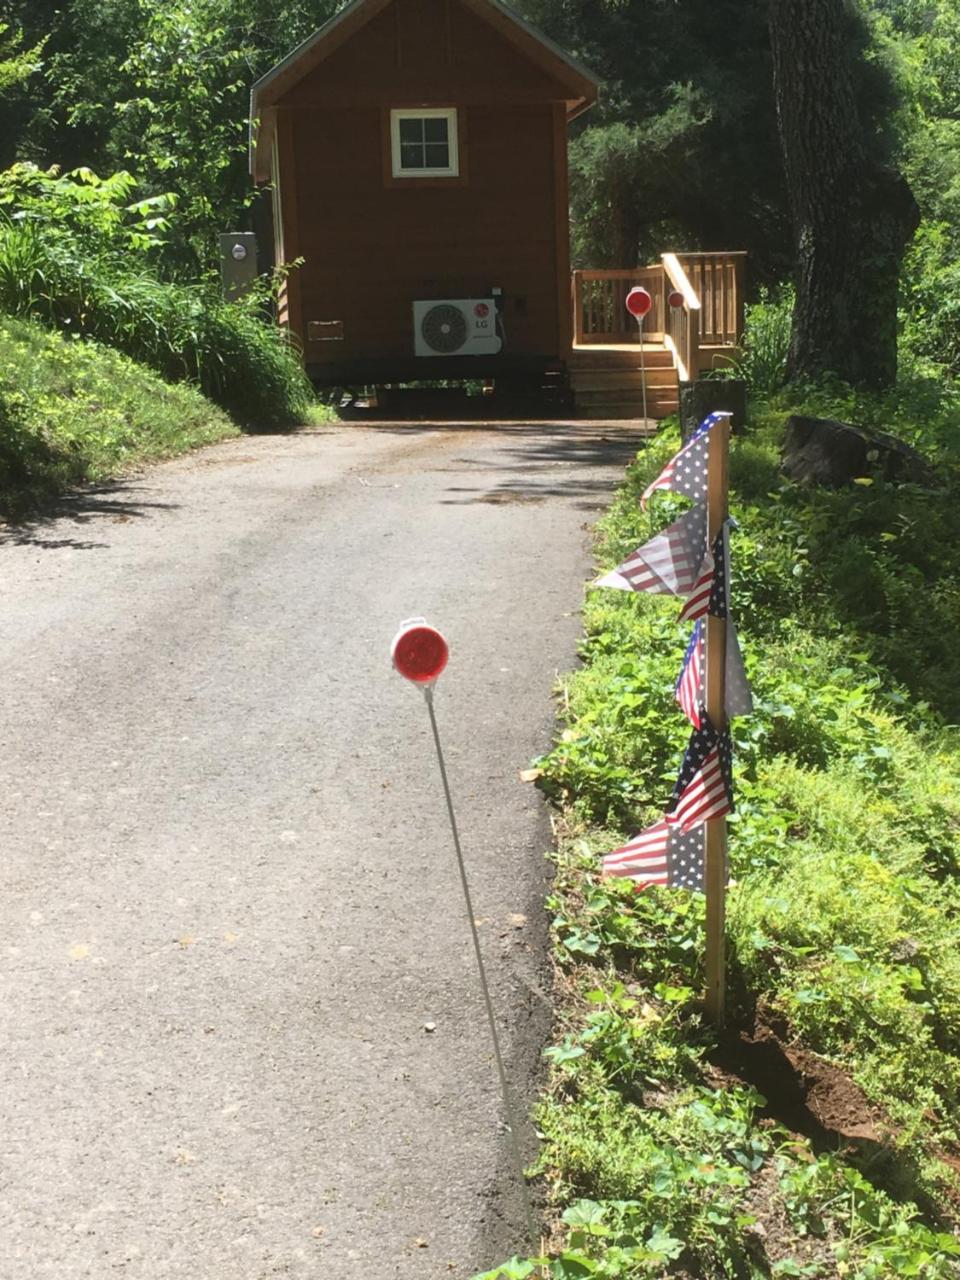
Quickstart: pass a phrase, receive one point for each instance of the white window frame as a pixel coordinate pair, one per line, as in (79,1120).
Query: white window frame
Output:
(425,113)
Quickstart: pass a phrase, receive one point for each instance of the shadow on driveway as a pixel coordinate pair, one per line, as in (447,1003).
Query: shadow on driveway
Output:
(115,502)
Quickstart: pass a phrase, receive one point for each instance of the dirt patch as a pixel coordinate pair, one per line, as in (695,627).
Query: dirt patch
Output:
(774,1237)
(818,1100)
(804,1092)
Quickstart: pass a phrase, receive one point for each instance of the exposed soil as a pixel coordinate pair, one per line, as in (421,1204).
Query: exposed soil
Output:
(818,1100)
(805,1093)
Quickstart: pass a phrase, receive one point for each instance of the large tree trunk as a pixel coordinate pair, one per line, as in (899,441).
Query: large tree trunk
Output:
(853,214)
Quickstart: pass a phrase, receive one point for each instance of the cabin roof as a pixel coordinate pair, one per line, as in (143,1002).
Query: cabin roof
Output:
(581,84)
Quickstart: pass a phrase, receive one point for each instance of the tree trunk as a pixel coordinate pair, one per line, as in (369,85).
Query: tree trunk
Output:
(853,214)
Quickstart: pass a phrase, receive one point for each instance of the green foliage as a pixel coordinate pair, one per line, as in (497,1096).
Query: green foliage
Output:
(183,121)
(160,90)
(97,213)
(74,253)
(931,295)
(681,151)
(762,361)
(623,182)
(72,411)
(17,64)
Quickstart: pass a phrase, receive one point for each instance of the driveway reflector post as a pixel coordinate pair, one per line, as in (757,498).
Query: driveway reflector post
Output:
(420,654)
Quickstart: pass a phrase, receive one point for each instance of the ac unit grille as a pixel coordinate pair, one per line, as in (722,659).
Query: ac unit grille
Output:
(444,328)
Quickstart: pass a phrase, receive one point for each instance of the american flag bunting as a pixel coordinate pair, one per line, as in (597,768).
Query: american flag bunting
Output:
(669,563)
(661,854)
(739,699)
(690,689)
(709,592)
(686,472)
(704,789)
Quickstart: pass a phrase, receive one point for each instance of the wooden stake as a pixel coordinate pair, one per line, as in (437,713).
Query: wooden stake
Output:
(715,874)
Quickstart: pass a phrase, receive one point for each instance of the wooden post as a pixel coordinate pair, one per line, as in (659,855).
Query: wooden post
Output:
(715,872)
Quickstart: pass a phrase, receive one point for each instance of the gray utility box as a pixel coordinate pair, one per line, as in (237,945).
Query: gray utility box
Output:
(238,263)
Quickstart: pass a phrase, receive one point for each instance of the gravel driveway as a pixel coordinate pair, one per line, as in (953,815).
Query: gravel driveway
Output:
(229,903)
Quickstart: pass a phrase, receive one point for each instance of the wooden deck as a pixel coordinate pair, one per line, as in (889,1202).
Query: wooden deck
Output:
(697,314)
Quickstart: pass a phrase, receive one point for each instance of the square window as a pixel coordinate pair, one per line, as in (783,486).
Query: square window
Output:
(423,142)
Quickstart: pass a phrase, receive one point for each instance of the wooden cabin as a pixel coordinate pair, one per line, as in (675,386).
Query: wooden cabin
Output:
(417,155)
(417,151)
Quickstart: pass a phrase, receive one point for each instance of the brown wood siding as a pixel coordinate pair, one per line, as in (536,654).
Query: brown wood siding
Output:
(372,247)
(413,53)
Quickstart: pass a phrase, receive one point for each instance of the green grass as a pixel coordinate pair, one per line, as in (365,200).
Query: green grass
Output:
(72,411)
(844,907)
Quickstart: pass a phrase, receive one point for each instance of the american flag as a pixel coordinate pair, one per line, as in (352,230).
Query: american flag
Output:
(661,854)
(709,592)
(690,690)
(739,699)
(670,562)
(704,789)
(686,472)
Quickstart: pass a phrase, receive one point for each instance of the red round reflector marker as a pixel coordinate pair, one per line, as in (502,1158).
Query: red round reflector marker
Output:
(638,302)
(675,298)
(419,651)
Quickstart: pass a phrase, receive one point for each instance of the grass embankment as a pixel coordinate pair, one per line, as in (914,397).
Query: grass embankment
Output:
(819,1135)
(73,411)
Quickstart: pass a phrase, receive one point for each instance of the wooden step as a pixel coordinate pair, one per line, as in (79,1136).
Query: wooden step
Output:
(620,379)
(633,413)
(627,360)
(607,381)
(627,407)
(586,395)
(599,402)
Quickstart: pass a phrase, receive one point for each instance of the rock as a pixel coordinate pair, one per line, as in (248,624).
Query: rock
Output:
(834,454)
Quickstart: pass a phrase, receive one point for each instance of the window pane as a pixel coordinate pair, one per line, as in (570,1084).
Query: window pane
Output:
(411,155)
(435,129)
(438,155)
(411,130)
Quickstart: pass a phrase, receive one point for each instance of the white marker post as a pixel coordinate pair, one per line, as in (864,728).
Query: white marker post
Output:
(420,654)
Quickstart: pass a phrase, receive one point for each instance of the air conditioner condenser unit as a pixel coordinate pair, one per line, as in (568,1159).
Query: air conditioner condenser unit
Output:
(455,327)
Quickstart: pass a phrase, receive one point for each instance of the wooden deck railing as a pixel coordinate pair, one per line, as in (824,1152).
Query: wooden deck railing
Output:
(682,338)
(599,311)
(717,280)
(710,315)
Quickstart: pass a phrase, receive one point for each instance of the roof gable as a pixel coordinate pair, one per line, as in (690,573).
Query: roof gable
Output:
(574,84)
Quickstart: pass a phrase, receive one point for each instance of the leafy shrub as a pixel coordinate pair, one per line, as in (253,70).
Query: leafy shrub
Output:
(931,297)
(74,256)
